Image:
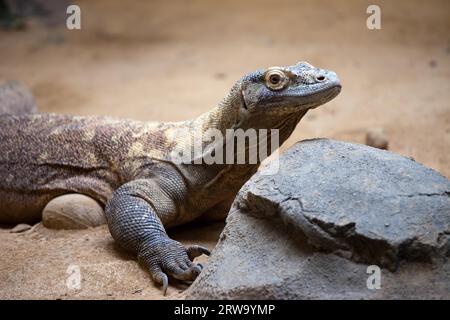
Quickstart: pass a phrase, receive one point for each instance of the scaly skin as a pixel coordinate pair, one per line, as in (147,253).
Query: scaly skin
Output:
(127,167)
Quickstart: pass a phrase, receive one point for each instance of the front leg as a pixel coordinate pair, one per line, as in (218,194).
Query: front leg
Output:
(135,214)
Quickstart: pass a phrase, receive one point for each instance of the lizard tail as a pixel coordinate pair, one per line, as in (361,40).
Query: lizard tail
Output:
(16,99)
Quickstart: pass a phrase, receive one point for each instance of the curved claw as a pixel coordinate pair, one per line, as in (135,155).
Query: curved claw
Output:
(165,284)
(160,278)
(189,274)
(195,251)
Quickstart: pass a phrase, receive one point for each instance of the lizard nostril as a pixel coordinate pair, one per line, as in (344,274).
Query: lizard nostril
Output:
(320,78)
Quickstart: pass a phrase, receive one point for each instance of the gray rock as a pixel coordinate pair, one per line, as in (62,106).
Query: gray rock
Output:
(333,209)
(21,227)
(374,206)
(16,99)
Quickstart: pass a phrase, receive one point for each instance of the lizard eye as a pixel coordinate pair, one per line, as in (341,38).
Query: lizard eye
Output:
(275,78)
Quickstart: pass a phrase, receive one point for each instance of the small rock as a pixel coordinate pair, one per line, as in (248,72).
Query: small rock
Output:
(20,228)
(377,138)
(220,75)
(73,211)
(16,99)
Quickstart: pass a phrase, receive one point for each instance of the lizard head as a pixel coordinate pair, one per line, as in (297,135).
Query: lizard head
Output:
(279,92)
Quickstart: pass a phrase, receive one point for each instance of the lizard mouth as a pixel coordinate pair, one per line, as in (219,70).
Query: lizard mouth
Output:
(303,101)
(327,94)
(320,96)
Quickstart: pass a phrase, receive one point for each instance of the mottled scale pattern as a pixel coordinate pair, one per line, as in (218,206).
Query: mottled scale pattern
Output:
(46,155)
(132,216)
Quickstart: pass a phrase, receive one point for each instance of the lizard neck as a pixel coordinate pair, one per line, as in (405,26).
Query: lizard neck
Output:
(224,116)
(218,181)
(230,115)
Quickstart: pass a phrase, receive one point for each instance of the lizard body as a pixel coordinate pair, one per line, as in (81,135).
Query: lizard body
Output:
(127,165)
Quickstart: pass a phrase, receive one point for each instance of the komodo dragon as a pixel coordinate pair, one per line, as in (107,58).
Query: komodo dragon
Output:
(125,164)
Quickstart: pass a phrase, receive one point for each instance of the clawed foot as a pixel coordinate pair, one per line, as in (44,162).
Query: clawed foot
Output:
(170,258)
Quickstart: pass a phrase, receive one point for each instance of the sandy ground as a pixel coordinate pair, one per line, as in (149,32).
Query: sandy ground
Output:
(44,264)
(173,60)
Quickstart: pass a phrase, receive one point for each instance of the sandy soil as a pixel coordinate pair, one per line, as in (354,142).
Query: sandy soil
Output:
(174,60)
(43,264)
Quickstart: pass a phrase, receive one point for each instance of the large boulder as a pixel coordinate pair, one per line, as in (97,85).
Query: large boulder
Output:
(332,211)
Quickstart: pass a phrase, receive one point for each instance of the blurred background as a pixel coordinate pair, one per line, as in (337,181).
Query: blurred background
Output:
(173,60)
